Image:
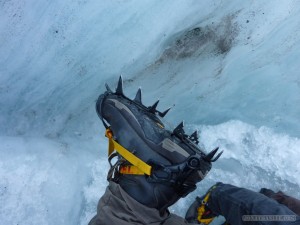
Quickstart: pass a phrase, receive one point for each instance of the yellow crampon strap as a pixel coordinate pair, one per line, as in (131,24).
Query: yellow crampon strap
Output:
(139,166)
(201,209)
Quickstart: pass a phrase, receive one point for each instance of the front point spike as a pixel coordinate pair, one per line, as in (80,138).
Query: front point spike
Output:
(210,155)
(119,89)
(108,88)
(218,156)
(138,96)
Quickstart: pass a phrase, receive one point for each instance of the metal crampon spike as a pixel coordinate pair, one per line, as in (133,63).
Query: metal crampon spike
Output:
(179,129)
(119,89)
(194,137)
(209,156)
(153,107)
(138,96)
(162,114)
(180,126)
(218,156)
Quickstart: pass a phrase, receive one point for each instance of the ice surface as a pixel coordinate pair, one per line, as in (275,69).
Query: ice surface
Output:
(42,181)
(230,68)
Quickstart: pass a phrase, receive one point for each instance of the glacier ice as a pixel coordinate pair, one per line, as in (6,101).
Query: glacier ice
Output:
(231,69)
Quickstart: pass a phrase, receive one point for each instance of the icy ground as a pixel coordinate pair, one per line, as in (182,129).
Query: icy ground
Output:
(230,67)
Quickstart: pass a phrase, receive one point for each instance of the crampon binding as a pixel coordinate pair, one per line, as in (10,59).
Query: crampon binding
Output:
(151,159)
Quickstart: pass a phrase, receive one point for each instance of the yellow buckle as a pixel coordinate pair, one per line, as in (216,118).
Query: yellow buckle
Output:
(201,209)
